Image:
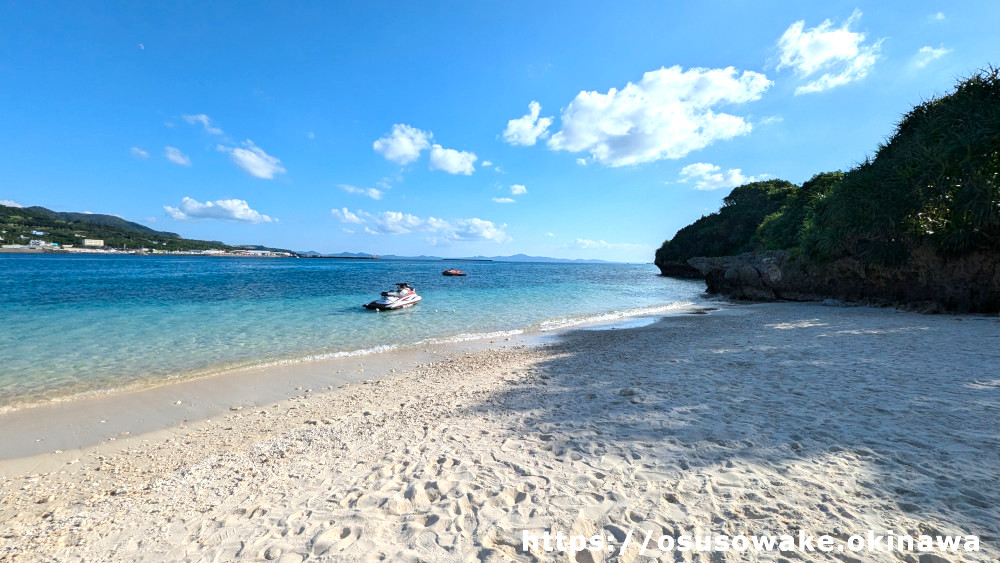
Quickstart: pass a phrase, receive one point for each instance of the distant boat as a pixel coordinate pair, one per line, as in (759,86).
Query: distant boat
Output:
(402,296)
(453,272)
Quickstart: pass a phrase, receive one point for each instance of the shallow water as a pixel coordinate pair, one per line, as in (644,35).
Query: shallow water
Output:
(84,323)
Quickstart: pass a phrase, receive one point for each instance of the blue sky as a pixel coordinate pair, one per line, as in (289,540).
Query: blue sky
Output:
(457,128)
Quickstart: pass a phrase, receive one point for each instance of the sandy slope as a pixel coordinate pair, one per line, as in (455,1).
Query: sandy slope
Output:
(756,419)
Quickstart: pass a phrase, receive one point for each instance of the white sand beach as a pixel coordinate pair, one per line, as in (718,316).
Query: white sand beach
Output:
(752,419)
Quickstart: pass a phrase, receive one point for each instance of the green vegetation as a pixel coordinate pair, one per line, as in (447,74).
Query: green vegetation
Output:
(72,228)
(935,183)
(731,229)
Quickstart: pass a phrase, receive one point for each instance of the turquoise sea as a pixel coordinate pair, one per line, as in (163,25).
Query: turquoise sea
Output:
(72,324)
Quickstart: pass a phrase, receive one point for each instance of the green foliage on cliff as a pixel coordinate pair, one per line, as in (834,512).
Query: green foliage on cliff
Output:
(935,183)
(784,228)
(732,228)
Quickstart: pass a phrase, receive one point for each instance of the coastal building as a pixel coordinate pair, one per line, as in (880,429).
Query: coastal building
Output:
(93,242)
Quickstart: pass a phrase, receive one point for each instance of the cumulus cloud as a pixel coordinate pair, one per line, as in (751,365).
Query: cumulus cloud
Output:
(518,189)
(236,210)
(206,123)
(474,230)
(939,17)
(10,203)
(253,160)
(452,161)
(581,161)
(587,244)
(345,216)
(487,163)
(667,114)
(711,177)
(837,55)
(404,144)
(398,223)
(526,130)
(550,234)
(138,153)
(503,200)
(927,54)
(175,155)
(369,192)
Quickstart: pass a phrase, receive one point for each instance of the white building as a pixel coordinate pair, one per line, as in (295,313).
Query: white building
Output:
(93,242)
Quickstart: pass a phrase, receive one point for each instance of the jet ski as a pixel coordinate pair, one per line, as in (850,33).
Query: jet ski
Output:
(453,272)
(402,296)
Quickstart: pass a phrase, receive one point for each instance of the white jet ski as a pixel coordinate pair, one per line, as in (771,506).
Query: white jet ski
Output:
(402,296)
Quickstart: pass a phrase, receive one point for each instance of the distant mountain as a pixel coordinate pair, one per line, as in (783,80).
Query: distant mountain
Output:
(67,228)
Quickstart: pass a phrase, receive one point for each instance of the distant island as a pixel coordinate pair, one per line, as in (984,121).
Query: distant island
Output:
(424,257)
(916,225)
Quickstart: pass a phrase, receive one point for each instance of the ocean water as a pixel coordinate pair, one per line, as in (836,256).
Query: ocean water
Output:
(72,324)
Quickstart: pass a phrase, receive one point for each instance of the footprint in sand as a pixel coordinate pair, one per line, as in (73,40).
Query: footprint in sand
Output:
(334,539)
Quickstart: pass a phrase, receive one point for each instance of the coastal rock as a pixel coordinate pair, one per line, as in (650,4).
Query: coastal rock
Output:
(678,270)
(926,283)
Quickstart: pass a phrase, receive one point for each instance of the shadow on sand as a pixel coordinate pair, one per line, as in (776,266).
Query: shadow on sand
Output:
(766,420)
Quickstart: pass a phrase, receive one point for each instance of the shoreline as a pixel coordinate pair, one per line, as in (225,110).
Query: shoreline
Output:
(751,419)
(45,434)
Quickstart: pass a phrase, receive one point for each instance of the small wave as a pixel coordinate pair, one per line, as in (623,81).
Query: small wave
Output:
(549,325)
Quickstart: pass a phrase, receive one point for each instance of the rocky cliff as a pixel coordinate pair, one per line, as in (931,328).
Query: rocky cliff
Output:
(927,282)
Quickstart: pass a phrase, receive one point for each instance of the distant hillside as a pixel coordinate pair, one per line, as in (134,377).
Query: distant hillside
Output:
(112,221)
(71,228)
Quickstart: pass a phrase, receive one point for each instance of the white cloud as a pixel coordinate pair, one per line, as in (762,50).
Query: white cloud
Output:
(667,114)
(581,161)
(487,163)
(205,121)
(345,216)
(311,135)
(404,144)
(526,130)
(518,189)
(771,120)
(711,177)
(587,244)
(10,203)
(254,160)
(504,200)
(457,230)
(348,231)
(838,55)
(940,17)
(369,192)
(226,209)
(927,54)
(550,234)
(474,230)
(452,161)
(138,153)
(174,155)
